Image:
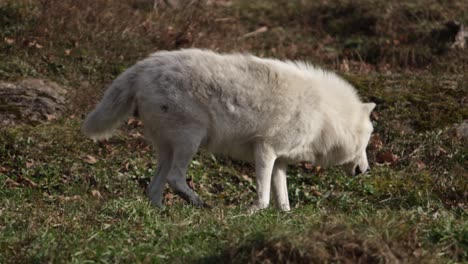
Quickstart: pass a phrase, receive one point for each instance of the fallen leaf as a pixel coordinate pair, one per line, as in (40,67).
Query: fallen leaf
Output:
(386,157)
(440,151)
(29,164)
(191,184)
(421,165)
(127,165)
(375,116)
(344,66)
(32,43)
(90,159)
(375,142)
(96,194)
(256,32)
(315,192)
(308,166)
(9,40)
(318,169)
(246,178)
(418,252)
(168,198)
(67,52)
(50,117)
(136,135)
(11,183)
(3,169)
(146,148)
(69,198)
(134,121)
(225,19)
(26,181)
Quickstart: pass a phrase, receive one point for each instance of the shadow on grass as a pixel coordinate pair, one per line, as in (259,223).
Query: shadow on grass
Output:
(330,243)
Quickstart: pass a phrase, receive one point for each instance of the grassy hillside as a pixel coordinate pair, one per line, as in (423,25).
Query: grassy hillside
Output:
(64,198)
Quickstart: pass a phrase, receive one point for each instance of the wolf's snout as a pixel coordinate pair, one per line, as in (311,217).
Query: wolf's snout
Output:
(357,170)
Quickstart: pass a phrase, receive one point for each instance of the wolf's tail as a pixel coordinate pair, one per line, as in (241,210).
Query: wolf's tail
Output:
(116,105)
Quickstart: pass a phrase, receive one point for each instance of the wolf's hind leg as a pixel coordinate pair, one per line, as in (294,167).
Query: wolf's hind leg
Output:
(155,189)
(280,188)
(185,147)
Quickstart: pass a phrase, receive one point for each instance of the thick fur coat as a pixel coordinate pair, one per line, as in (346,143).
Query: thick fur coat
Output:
(265,111)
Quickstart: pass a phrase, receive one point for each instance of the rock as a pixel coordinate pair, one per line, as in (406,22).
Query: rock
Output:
(31,101)
(174,4)
(451,36)
(461,130)
(459,39)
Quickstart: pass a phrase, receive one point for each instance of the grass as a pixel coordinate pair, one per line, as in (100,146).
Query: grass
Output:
(65,199)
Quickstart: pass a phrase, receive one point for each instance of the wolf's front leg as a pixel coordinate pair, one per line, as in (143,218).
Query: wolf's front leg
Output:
(280,188)
(264,162)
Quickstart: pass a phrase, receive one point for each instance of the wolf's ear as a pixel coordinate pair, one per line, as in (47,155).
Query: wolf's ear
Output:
(369,107)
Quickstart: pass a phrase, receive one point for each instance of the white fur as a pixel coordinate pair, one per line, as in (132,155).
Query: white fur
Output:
(266,111)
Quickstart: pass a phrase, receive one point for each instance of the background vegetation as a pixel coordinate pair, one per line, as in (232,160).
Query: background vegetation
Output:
(66,199)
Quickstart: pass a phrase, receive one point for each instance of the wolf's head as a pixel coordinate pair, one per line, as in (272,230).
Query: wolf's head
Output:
(361,132)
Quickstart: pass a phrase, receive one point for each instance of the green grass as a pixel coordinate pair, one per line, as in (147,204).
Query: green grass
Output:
(64,198)
(59,207)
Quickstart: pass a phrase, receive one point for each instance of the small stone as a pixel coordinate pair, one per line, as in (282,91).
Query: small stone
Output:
(461,130)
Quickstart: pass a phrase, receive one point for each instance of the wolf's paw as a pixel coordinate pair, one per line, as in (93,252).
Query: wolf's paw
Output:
(256,207)
(284,207)
(207,206)
(193,199)
(157,203)
(201,204)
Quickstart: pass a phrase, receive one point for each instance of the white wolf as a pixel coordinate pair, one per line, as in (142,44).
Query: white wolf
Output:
(265,111)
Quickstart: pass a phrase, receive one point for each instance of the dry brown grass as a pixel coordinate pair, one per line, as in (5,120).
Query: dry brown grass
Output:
(333,241)
(108,36)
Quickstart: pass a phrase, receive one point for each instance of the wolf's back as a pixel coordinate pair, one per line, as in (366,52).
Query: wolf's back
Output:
(116,105)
